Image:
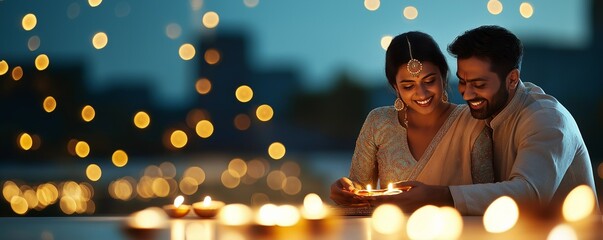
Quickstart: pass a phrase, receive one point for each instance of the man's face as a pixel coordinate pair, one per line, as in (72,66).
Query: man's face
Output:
(483,90)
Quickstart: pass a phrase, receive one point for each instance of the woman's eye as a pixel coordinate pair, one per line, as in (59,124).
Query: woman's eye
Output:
(407,86)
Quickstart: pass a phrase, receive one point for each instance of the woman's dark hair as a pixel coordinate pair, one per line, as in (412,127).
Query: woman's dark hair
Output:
(424,49)
(491,43)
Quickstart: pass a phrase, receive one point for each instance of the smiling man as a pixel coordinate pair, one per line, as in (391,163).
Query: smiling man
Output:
(539,154)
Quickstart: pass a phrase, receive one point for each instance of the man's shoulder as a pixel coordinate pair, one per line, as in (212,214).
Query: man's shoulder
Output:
(542,108)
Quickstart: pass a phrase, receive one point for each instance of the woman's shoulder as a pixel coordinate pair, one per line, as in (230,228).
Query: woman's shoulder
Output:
(381,114)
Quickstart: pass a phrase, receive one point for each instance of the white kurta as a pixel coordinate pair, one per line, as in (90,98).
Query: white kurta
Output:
(539,155)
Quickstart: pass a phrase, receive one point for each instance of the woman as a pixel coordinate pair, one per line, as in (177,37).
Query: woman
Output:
(423,137)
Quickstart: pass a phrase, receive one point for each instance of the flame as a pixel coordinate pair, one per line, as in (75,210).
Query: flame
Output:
(178,201)
(369,188)
(390,187)
(206,201)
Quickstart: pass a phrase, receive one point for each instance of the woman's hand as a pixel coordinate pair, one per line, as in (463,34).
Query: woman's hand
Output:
(343,192)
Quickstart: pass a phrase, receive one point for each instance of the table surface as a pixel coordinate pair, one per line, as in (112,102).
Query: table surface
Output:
(340,227)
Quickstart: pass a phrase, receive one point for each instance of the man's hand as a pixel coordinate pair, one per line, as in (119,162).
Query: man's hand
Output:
(419,195)
(343,192)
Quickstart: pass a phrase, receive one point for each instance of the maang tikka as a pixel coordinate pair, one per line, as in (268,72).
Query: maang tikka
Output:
(413,66)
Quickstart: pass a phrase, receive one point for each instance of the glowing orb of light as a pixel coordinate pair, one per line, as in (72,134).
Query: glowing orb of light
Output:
(501,215)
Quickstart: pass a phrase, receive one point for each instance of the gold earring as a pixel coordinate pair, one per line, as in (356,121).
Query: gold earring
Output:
(405,118)
(445,97)
(399,104)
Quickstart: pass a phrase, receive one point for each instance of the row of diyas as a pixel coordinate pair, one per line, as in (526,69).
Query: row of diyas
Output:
(208,208)
(231,214)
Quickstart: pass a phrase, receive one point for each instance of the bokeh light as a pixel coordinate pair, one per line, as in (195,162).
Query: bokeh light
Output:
(291,185)
(579,204)
(251,3)
(178,139)
(195,173)
(425,223)
(204,128)
(501,215)
(17,73)
(82,149)
(453,227)
(168,169)
(211,19)
(42,62)
(495,7)
(49,104)
(173,30)
(526,10)
(33,43)
(93,172)
(29,21)
(410,12)
(19,205)
(238,165)
(387,219)
(244,93)
(372,5)
(257,168)
(3,67)
(212,56)
(160,187)
(9,190)
(236,214)
(119,158)
(88,113)
(385,41)
(230,179)
(264,112)
(188,185)
(562,232)
(100,40)
(242,121)
(291,168)
(186,51)
(25,141)
(203,86)
(288,215)
(94,3)
(276,150)
(142,120)
(275,179)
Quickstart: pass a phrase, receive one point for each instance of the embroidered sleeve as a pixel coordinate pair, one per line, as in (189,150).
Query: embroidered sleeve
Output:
(364,162)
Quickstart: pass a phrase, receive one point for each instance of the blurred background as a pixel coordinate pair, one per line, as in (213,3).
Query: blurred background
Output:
(111,106)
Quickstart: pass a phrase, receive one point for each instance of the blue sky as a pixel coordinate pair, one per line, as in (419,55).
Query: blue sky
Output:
(318,38)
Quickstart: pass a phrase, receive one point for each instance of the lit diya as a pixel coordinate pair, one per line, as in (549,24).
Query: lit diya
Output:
(177,209)
(208,208)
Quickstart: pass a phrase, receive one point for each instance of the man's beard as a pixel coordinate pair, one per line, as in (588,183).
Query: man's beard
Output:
(498,103)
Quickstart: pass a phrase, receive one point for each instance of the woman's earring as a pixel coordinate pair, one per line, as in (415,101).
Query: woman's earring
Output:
(399,104)
(445,97)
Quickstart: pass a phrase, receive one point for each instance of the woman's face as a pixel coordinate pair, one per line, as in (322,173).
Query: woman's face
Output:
(423,93)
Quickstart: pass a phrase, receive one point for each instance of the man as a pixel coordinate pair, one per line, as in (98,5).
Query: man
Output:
(539,153)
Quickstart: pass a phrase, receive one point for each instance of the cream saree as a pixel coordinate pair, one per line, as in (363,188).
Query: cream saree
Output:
(460,153)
